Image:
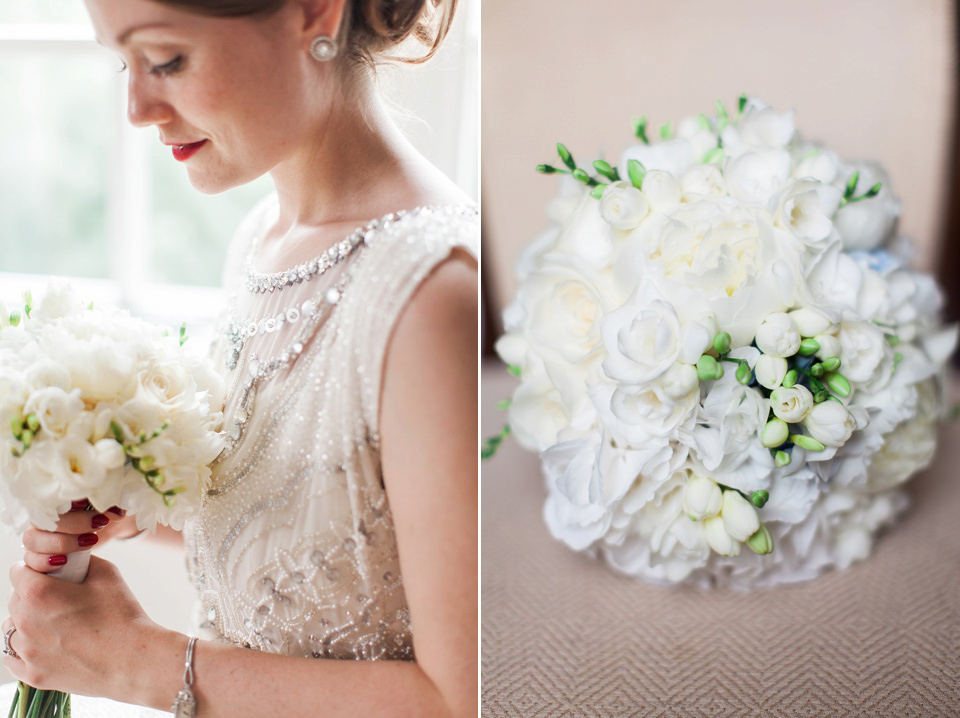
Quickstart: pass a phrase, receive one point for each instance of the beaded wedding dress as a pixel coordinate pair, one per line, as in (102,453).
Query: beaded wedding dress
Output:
(294,549)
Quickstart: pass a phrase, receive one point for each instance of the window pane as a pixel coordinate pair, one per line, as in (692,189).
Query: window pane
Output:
(190,230)
(70,11)
(54,137)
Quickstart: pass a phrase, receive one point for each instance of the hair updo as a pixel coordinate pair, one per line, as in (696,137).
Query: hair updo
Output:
(370,29)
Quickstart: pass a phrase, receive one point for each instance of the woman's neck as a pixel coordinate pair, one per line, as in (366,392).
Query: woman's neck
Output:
(355,165)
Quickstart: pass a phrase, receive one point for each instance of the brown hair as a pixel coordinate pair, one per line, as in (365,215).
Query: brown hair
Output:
(370,28)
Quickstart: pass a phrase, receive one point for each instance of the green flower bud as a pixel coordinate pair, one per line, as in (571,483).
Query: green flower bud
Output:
(581,175)
(636,172)
(892,339)
(838,384)
(820,397)
(640,129)
(761,542)
(546,169)
(809,346)
(743,373)
(606,170)
(781,459)
(775,433)
(721,342)
(790,378)
(806,442)
(146,463)
(33,423)
(708,369)
(597,192)
(831,363)
(816,370)
(713,155)
(566,156)
(27,438)
(512,368)
(759,498)
(17,425)
(15,317)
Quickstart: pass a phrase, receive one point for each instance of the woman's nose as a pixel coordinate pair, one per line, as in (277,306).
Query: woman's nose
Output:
(145,106)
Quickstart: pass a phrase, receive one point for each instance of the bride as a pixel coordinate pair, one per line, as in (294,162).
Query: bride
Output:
(342,519)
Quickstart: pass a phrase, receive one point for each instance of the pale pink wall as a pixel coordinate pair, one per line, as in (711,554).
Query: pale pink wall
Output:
(873,79)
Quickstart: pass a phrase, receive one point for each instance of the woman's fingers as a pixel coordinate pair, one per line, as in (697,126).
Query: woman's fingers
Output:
(47,542)
(80,522)
(45,562)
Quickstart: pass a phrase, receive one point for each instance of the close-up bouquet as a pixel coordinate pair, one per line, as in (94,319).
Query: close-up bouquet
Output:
(727,364)
(104,408)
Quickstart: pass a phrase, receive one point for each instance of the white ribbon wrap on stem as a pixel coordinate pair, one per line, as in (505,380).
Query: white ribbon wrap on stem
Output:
(75,569)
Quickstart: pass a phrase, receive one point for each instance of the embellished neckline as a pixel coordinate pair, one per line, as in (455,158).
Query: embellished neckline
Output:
(260,282)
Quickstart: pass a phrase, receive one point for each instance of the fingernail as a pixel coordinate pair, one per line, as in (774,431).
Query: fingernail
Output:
(78,505)
(87,539)
(99,521)
(58,560)
(117,510)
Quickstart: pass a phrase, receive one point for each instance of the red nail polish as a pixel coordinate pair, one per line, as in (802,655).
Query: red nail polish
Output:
(78,505)
(117,510)
(58,560)
(87,539)
(99,521)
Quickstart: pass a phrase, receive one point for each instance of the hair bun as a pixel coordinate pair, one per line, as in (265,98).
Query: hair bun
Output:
(378,26)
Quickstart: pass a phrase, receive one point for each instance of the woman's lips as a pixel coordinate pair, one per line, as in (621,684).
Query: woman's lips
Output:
(182,153)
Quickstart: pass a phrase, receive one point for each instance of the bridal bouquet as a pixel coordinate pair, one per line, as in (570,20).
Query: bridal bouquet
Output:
(99,405)
(726,362)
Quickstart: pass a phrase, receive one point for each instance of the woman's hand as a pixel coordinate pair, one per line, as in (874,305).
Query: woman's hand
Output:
(75,638)
(78,530)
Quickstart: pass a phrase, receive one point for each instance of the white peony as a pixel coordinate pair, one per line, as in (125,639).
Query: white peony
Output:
(642,342)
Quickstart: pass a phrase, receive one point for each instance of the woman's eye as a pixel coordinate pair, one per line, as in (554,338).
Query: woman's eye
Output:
(168,68)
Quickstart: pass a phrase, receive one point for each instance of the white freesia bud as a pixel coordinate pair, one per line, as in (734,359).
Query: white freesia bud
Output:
(829,346)
(777,335)
(623,206)
(792,404)
(110,454)
(680,380)
(662,189)
(718,538)
(770,371)
(740,518)
(810,322)
(702,497)
(830,423)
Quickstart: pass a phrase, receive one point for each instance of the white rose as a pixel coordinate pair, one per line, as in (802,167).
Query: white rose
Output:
(645,414)
(910,445)
(718,538)
(770,371)
(792,404)
(537,413)
(703,181)
(810,322)
(55,409)
(830,423)
(869,223)
(641,342)
(817,163)
(740,518)
(777,335)
(702,497)
(672,156)
(807,209)
(760,126)
(862,350)
(169,384)
(756,176)
(623,206)
(662,190)
(571,514)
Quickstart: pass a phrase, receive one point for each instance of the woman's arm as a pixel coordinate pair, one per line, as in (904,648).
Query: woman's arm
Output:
(94,638)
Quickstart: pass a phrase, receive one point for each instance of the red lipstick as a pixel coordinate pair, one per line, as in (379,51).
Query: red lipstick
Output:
(182,153)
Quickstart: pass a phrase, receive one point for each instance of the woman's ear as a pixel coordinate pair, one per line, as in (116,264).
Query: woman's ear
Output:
(321,17)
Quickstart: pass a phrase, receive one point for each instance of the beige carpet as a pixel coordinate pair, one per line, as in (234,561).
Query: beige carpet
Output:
(564,636)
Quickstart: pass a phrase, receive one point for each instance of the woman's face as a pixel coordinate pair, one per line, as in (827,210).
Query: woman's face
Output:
(229,96)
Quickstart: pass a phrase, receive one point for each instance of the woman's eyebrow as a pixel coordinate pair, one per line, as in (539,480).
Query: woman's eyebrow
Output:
(125,36)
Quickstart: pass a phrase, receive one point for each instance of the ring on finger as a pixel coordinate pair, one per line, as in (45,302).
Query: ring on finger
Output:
(7,648)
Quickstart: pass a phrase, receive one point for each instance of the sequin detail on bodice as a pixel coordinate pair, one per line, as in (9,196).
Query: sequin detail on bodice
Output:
(294,550)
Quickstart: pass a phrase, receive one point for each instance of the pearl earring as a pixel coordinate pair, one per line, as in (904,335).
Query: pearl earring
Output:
(323,49)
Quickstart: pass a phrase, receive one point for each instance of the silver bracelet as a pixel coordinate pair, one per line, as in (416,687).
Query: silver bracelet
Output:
(186,704)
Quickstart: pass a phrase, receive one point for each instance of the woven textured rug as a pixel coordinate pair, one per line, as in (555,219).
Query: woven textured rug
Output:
(564,636)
